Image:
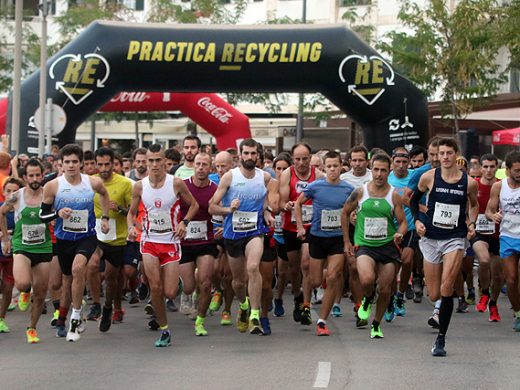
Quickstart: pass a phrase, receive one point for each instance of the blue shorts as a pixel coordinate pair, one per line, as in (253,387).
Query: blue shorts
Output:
(509,246)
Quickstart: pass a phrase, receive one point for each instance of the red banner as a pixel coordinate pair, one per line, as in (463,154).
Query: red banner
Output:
(208,110)
(507,137)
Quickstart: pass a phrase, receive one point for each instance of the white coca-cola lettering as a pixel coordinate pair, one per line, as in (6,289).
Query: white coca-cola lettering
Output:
(131,97)
(220,113)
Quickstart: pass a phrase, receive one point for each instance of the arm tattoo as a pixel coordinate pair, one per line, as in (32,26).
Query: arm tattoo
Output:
(353,196)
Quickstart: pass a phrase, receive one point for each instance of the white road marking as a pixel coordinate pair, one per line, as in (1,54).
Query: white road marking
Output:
(323,375)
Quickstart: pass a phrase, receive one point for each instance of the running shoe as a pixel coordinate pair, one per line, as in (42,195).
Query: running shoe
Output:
(3,326)
(463,306)
(243,320)
(360,323)
(106,319)
(364,310)
(409,293)
(199,328)
(255,327)
(376,332)
(336,311)
(482,305)
(118,316)
(148,308)
(153,324)
(470,299)
(95,312)
(389,314)
(433,321)
(24,300)
(306,316)
(322,330)
(493,314)
(73,333)
(216,301)
(61,331)
(399,308)
(134,298)
(438,346)
(186,304)
(32,336)
(12,306)
(279,310)
(165,340)
(266,326)
(225,318)
(171,306)
(417,289)
(516,325)
(143,292)
(298,307)
(55,316)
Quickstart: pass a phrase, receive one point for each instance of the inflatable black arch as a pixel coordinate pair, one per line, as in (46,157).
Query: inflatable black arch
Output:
(110,57)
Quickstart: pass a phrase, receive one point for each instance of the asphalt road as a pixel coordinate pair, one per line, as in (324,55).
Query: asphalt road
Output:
(481,355)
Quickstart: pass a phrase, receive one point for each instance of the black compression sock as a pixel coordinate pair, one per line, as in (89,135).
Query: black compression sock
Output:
(56,304)
(445,314)
(485,291)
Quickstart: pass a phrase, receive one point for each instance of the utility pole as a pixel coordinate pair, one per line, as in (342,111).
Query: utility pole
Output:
(17,76)
(43,78)
(299,118)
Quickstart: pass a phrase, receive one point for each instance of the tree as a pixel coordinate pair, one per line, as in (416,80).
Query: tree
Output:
(356,21)
(451,50)
(510,33)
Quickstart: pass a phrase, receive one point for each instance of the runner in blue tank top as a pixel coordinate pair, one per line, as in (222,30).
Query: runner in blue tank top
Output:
(326,236)
(243,192)
(443,235)
(70,199)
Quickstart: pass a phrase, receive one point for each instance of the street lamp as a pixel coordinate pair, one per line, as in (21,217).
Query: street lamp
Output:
(43,78)
(299,118)
(17,75)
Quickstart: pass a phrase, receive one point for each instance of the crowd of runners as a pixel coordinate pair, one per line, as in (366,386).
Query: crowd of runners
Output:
(373,229)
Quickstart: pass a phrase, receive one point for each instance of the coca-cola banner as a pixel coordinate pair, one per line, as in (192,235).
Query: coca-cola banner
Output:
(110,57)
(208,110)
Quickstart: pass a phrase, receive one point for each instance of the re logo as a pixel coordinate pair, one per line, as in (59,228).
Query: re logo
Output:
(370,78)
(78,76)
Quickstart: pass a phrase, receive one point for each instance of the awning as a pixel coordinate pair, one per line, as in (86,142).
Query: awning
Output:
(507,137)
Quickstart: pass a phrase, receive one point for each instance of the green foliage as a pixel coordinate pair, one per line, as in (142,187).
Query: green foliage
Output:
(356,22)
(510,32)
(453,50)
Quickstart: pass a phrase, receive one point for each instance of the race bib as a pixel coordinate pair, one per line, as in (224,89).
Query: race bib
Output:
(33,234)
(446,216)
(278,224)
(331,220)
(111,235)
(376,228)
(160,222)
(511,223)
(484,225)
(306,214)
(77,222)
(244,221)
(197,230)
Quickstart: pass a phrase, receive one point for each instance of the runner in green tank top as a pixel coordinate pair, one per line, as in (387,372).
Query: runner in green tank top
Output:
(376,238)
(31,244)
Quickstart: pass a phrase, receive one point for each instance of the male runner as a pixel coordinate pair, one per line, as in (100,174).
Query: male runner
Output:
(399,178)
(292,182)
(160,194)
(199,249)
(70,200)
(326,237)
(243,193)
(111,246)
(31,242)
(486,242)
(444,230)
(190,148)
(376,238)
(504,208)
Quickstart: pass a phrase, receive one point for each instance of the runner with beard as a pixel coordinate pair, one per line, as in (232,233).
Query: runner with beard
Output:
(141,169)
(31,242)
(243,192)
(190,148)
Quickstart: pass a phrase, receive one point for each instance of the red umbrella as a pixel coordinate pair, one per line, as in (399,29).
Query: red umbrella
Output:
(507,137)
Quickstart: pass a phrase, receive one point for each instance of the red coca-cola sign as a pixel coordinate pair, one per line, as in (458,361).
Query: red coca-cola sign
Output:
(220,113)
